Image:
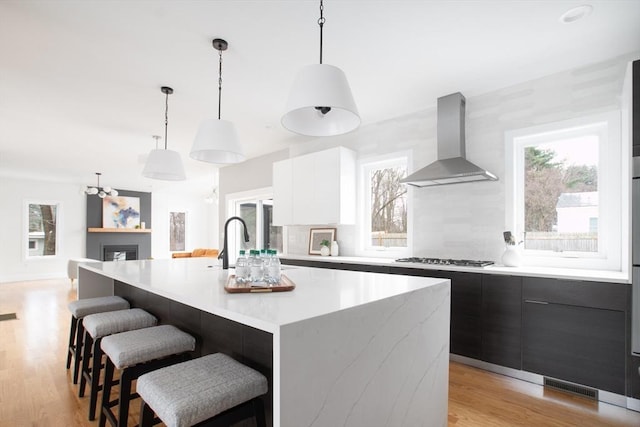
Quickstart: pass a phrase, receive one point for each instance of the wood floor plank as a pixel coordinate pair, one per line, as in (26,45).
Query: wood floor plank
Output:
(36,389)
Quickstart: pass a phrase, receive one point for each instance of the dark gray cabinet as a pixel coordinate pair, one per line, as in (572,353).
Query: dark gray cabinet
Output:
(575,331)
(336,265)
(466,308)
(502,320)
(466,314)
(566,329)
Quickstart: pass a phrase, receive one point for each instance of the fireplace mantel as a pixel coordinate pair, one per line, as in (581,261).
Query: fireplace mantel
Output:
(118,230)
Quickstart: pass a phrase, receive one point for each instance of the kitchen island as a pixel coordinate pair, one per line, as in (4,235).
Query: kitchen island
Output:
(343,348)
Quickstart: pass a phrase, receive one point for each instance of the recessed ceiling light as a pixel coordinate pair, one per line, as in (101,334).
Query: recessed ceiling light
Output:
(576,13)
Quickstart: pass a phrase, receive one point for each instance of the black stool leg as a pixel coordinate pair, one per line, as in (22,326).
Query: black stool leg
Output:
(95,378)
(78,351)
(146,415)
(85,373)
(72,339)
(258,407)
(125,397)
(106,392)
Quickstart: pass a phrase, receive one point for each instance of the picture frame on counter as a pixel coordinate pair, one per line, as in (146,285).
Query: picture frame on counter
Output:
(317,236)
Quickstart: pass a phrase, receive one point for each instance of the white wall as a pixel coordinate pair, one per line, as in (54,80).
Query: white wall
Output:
(72,225)
(467,220)
(249,175)
(201,223)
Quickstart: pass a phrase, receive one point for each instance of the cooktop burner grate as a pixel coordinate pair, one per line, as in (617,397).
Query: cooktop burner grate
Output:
(444,261)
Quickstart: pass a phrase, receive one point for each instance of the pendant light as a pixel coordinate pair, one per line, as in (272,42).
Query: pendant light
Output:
(217,140)
(320,102)
(102,192)
(164,164)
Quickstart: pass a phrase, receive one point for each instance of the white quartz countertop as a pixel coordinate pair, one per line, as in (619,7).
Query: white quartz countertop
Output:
(549,272)
(199,282)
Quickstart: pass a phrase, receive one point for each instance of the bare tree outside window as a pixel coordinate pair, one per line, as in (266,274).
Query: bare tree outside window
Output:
(177,224)
(561,196)
(42,232)
(388,207)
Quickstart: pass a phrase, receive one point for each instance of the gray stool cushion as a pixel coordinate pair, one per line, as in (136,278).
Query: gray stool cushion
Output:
(87,306)
(112,322)
(133,347)
(190,392)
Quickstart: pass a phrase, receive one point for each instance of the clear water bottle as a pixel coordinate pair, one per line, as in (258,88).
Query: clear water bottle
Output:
(273,267)
(256,267)
(242,268)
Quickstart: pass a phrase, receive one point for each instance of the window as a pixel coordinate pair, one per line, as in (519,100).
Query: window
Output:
(42,237)
(564,201)
(384,204)
(256,209)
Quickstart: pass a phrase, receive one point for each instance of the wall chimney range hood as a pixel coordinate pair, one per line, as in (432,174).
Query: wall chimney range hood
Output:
(451,166)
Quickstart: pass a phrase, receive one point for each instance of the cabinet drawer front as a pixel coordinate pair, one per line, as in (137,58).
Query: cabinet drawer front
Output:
(577,344)
(611,296)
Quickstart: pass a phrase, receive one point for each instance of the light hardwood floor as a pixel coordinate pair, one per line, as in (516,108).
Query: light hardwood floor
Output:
(36,389)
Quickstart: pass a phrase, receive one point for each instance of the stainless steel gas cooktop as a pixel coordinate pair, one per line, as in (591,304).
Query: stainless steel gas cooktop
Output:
(441,261)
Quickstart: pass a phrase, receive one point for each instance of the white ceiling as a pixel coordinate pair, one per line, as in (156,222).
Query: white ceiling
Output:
(80,80)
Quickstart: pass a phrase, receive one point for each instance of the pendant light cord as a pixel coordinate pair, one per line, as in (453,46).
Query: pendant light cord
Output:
(166,118)
(321,21)
(219,83)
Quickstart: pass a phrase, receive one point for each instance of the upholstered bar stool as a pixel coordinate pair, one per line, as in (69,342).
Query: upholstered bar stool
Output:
(135,353)
(96,327)
(213,388)
(79,309)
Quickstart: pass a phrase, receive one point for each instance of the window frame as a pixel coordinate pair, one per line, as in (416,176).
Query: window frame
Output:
(25,230)
(611,188)
(231,202)
(364,206)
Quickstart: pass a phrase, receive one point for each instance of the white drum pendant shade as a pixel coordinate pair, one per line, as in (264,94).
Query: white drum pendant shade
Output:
(217,142)
(165,165)
(321,85)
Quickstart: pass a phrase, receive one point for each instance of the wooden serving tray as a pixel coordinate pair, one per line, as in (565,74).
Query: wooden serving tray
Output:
(245,288)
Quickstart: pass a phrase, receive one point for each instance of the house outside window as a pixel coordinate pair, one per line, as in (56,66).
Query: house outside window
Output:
(384,203)
(564,193)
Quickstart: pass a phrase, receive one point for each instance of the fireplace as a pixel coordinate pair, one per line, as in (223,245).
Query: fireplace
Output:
(119,252)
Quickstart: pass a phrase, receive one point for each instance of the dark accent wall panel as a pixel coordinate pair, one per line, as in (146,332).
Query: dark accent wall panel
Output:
(636,108)
(95,241)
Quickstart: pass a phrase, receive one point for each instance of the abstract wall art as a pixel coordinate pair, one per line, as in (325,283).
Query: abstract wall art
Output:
(121,212)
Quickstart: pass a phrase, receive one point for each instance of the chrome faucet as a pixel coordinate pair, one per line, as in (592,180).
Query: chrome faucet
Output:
(224,255)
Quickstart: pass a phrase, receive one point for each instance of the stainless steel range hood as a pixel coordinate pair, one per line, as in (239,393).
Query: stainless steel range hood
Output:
(451,166)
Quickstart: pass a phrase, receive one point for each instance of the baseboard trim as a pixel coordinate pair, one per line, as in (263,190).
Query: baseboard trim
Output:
(603,396)
(633,404)
(26,277)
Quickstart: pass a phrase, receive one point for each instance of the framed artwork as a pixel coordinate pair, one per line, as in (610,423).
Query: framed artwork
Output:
(177,223)
(121,212)
(317,236)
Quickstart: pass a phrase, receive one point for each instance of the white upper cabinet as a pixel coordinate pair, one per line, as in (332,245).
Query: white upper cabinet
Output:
(282,183)
(317,188)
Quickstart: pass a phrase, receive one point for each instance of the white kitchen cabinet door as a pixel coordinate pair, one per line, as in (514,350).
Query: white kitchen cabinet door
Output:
(321,188)
(283,192)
